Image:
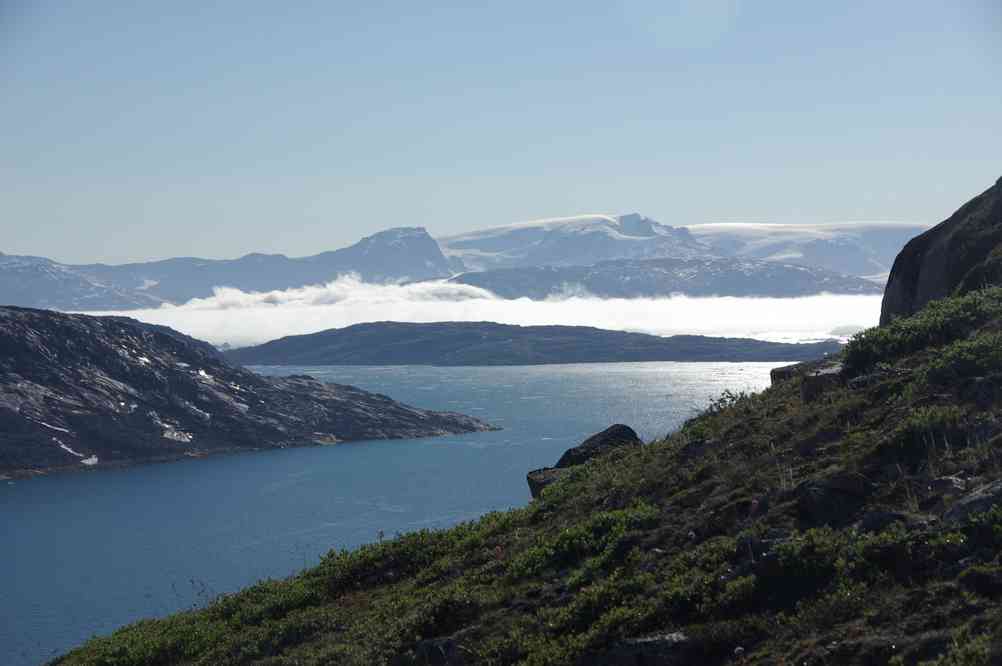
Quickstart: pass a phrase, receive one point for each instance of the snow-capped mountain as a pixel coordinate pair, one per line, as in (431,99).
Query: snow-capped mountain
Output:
(605,255)
(396,255)
(855,248)
(653,278)
(45,283)
(572,241)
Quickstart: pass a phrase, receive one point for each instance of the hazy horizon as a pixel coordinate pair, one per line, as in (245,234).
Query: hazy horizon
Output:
(241,318)
(146,132)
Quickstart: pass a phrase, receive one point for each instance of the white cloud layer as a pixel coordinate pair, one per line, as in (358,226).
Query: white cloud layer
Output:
(240,318)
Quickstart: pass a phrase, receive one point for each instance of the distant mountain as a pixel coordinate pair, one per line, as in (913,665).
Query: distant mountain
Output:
(572,241)
(396,255)
(664,277)
(697,260)
(40,282)
(80,390)
(854,248)
(486,343)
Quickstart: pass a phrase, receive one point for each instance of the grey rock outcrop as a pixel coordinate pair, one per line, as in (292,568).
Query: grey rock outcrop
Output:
(960,254)
(80,390)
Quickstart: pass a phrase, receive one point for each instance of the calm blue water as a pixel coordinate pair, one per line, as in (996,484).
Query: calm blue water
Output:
(85,553)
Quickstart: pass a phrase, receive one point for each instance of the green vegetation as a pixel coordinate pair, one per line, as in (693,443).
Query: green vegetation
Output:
(940,323)
(799,533)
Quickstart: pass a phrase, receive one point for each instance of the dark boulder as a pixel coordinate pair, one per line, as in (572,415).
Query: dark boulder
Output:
(785,373)
(979,501)
(878,521)
(958,255)
(833,500)
(611,438)
(817,383)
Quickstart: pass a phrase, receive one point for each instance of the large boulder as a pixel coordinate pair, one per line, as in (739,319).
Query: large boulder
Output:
(958,255)
(981,500)
(832,500)
(821,381)
(611,438)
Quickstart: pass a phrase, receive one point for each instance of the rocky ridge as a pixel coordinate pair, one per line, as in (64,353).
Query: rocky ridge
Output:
(81,391)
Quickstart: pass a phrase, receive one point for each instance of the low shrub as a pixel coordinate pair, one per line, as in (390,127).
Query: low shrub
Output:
(939,323)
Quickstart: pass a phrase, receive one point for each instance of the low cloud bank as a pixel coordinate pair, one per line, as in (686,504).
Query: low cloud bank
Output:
(240,318)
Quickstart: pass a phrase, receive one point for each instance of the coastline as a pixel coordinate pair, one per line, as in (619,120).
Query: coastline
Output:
(23,474)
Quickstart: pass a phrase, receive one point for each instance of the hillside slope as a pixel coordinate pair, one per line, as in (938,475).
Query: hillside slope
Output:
(487,343)
(839,517)
(78,390)
(847,529)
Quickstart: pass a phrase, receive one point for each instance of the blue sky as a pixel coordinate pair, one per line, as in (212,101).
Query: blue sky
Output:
(137,130)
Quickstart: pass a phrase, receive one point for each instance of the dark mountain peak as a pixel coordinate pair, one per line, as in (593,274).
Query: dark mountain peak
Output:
(635,224)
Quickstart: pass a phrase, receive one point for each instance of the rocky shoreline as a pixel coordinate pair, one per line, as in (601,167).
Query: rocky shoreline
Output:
(90,392)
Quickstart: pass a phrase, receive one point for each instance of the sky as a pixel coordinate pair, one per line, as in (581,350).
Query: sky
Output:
(140,130)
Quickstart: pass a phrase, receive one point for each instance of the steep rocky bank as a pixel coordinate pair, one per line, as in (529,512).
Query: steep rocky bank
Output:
(83,391)
(961,254)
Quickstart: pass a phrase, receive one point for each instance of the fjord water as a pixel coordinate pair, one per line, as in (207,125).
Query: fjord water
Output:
(86,553)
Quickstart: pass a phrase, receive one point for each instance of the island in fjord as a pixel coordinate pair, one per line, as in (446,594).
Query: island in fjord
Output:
(488,343)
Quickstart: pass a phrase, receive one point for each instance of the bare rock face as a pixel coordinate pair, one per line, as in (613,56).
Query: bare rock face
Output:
(79,390)
(958,255)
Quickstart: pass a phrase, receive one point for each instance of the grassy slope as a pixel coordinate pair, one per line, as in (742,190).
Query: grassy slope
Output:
(714,532)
